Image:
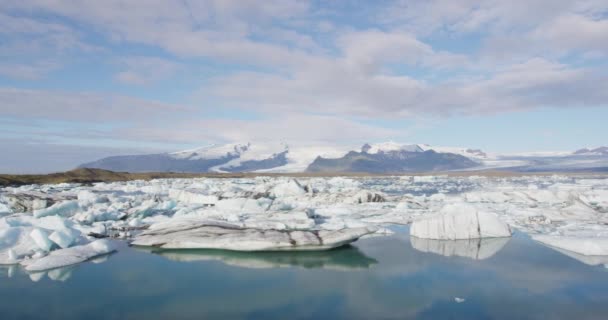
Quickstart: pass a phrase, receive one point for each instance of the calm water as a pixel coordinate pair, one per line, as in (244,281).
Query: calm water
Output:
(378,278)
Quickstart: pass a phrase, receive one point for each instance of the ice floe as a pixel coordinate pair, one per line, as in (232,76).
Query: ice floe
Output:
(201,234)
(582,245)
(305,213)
(70,256)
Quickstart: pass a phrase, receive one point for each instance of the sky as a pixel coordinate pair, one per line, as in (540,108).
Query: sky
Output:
(80,80)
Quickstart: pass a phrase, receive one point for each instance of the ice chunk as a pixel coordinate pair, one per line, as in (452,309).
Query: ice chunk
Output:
(587,246)
(4,209)
(12,256)
(211,235)
(41,238)
(28,201)
(86,197)
(367,196)
(244,205)
(70,256)
(289,188)
(192,197)
(460,221)
(15,243)
(63,238)
(66,208)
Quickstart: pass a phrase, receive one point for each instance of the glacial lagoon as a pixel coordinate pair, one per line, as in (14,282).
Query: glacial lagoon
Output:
(387,277)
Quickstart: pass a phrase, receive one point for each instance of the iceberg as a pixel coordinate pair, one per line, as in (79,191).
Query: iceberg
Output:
(65,208)
(213,235)
(29,201)
(310,213)
(41,238)
(289,188)
(69,256)
(16,243)
(460,221)
(587,246)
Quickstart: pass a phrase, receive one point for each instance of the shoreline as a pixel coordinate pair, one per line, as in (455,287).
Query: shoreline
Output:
(85,175)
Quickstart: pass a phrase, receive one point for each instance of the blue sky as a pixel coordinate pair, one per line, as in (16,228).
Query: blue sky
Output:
(85,79)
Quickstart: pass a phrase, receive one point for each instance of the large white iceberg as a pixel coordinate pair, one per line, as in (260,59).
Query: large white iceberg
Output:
(213,235)
(460,221)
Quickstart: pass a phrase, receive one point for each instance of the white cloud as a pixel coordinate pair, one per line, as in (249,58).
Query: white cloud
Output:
(331,89)
(83,107)
(144,70)
(31,71)
(300,128)
(304,67)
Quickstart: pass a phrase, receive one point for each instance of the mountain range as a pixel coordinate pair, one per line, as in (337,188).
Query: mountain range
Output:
(387,157)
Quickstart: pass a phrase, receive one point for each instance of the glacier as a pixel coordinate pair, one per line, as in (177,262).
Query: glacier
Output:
(51,226)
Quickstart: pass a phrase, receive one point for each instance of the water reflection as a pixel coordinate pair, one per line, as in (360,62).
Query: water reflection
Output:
(61,274)
(390,279)
(477,249)
(343,259)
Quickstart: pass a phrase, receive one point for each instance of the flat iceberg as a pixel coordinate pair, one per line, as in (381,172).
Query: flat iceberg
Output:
(213,235)
(460,221)
(69,256)
(586,246)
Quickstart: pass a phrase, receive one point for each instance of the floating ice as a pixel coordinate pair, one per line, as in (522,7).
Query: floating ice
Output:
(4,209)
(460,221)
(582,245)
(191,197)
(212,235)
(289,188)
(63,239)
(70,256)
(66,208)
(41,238)
(257,210)
(15,243)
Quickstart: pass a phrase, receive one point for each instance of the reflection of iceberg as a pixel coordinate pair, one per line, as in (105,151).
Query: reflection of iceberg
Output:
(589,260)
(477,249)
(345,258)
(590,251)
(56,274)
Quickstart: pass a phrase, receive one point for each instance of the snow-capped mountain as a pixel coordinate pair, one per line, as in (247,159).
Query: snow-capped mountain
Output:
(601,151)
(392,159)
(378,157)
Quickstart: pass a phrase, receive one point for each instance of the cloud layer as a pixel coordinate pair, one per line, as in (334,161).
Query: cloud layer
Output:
(182,72)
